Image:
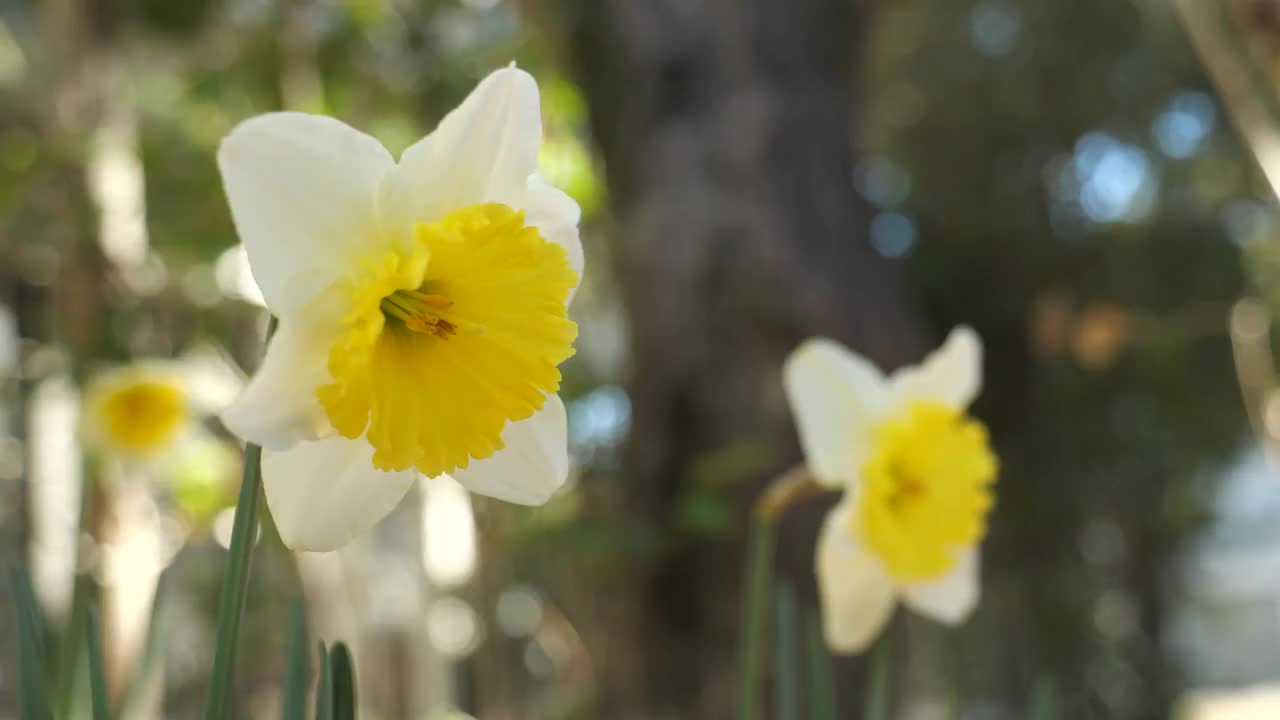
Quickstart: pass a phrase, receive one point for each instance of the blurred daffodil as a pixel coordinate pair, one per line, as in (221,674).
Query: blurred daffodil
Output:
(422,310)
(138,411)
(917,474)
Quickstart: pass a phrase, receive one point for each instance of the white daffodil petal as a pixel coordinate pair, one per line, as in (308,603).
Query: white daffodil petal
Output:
(324,493)
(532,466)
(837,398)
(303,193)
(279,408)
(950,598)
(556,216)
(857,596)
(952,374)
(482,151)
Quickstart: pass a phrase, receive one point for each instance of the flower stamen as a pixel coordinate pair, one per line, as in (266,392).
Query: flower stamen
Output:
(420,312)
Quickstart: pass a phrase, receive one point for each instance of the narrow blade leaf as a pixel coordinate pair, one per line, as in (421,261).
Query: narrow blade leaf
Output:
(344,682)
(97,678)
(324,689)
(294,702)
(786,653)
(818,667)
(34,667)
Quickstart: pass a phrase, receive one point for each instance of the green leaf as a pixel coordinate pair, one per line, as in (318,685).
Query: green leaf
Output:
(1044,699)
(786,653)
(818,667)
(877,707)
(294,701)
(755,618)
(97,678)
(344,682)
(33,666)
(324,689)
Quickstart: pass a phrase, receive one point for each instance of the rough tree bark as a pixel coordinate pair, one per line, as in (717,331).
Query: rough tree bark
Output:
(726,131)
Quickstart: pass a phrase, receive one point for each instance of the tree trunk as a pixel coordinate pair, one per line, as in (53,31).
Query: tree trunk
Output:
(726,131)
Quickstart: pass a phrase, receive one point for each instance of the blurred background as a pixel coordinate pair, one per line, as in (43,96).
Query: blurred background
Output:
(1089,184)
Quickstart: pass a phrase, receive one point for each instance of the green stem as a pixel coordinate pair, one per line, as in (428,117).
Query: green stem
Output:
(878,682)
(786,654)
(235,586)
(819,670)
(790,487)
(759,573)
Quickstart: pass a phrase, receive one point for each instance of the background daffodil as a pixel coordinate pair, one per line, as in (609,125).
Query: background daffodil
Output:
(139,411)
(422,310)
(916,471)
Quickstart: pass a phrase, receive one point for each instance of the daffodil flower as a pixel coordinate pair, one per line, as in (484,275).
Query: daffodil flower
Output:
(917,474)
(139,411)
(422,310)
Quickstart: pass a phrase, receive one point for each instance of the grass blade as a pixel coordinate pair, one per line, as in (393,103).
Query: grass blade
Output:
(294,701)
(34,667)
(344,682)
(786,654)
(97,678)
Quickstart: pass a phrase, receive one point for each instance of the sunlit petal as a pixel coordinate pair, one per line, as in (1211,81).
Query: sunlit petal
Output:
(951,598)
(532,466)
(952,374)
(857,596)
(483,151)
(324,493)
(278,407)
(837,398)
(303,193)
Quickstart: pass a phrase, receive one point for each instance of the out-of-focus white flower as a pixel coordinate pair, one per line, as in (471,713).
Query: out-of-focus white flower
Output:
(422,310)
(138,411)
(148,408)
(916,471)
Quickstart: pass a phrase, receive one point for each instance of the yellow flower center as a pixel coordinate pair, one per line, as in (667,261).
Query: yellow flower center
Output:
(450,338)
(925,491)
(144,417)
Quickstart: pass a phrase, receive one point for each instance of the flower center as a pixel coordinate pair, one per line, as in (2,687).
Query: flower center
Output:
(450,338)
(144,417)
(925,491)
(419,312)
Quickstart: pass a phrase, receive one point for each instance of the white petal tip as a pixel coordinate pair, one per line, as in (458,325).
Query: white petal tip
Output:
(533,465)
(952,598)
(967,341)
(812,348)
(246,424)
(845,645)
